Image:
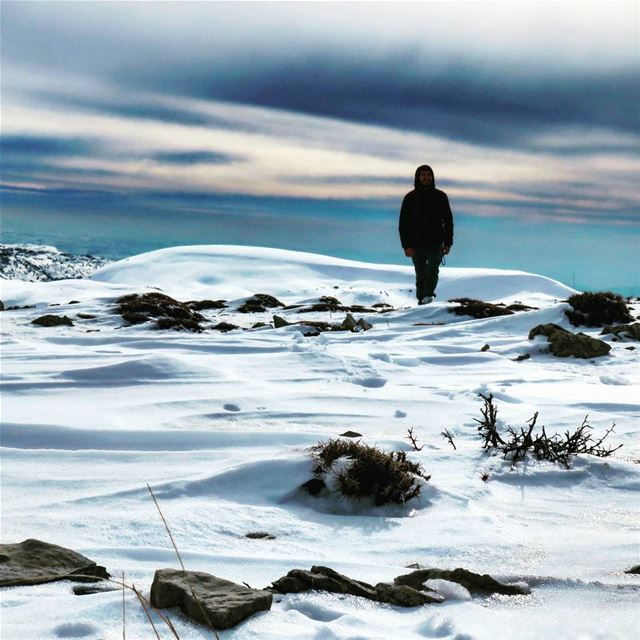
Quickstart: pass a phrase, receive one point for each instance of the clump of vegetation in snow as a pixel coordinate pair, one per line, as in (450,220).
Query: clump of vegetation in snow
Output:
(516,444)
(480,309)
(259,302)
(361,471)
(166,312)
(596,309)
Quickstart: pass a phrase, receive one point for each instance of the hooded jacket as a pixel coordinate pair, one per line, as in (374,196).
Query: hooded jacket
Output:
(425,216)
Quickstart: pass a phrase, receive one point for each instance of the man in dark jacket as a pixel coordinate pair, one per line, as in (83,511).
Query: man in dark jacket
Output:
(426,231)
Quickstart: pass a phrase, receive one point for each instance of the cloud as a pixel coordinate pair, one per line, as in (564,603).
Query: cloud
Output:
(26,145)
(327,103)
(194,157)
(489,73)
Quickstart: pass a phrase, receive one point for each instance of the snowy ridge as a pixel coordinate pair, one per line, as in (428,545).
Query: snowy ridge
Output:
(219,424)
(34,262)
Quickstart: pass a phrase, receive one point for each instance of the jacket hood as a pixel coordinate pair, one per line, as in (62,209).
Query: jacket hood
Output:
(416,182)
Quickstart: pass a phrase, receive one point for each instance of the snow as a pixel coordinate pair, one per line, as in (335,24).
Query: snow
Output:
(219,425)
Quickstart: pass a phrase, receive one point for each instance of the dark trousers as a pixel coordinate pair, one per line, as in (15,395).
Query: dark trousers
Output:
(426,262)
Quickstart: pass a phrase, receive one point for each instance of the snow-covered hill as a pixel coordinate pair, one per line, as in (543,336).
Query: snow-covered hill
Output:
(34,262)
(220,423)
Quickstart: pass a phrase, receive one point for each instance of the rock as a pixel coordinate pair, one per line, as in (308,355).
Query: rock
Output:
(53,321)
(563,343)
(364,325)
(218,603)
(521,357)
(518,306)
(1,305)
(259,535)
(485,347)
(634,570)
(280,322)
(404,596)
(351,434)
(623,331)
(349,323)
(314,486)
(474,582)
(86,590)
(224,327)
(36,562)
(326,579)
(85,316)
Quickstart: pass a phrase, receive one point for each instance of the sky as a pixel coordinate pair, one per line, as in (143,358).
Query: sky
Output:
(127,126)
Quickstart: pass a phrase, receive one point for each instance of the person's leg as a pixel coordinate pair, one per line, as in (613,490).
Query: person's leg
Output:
(419,260)
(433,258)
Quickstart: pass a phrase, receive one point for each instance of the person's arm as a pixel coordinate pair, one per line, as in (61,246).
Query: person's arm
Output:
(448,226)
(403,228)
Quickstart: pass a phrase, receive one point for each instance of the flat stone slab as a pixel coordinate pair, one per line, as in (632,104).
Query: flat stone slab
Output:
(36,562)
(475,583)
(326,579)
(218,603)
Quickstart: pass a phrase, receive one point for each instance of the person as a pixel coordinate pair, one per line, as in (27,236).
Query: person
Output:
(426,231)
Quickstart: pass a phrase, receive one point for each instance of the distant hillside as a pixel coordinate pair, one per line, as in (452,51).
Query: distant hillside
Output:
(32,263)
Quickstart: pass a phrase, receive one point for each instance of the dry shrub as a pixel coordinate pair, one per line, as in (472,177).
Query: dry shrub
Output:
(516,444)
(384,477)
(597,309)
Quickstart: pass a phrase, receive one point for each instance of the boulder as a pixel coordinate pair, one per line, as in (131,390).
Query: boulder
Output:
(53,321)
(474,582)
(217,603)
(36,562)
(563,343)
(326,579)
(634,570)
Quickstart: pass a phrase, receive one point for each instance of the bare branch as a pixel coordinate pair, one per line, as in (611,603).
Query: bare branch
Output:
(447,436)
(414,441)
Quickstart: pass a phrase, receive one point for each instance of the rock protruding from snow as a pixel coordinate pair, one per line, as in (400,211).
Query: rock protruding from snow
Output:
(50,320)
(475,583)
(563,343)
(33,263)
(623,331)
(36,562)
(217,603)
(326,579)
